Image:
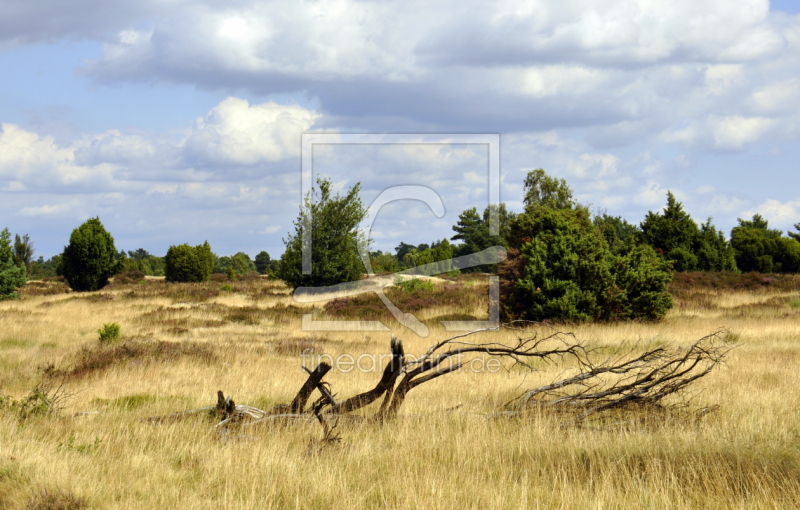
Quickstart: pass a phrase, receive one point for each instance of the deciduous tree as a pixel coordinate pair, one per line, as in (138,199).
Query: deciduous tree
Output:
(335,239)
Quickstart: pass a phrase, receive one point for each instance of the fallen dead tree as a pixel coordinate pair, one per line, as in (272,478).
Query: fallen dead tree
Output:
(621,382)
(617,389)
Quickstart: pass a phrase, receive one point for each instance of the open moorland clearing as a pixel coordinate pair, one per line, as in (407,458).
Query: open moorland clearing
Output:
(181,343)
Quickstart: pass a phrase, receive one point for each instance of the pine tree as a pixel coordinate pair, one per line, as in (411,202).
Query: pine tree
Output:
(673,233)
(475,236)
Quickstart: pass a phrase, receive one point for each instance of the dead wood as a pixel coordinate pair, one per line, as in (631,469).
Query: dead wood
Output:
(633,380)
(385,384)
(446,357)
(312,383)
(627,382)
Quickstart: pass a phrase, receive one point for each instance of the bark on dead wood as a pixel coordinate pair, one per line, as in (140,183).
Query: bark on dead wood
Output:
(632,382)
(313,381)
(619,382)
(386,383)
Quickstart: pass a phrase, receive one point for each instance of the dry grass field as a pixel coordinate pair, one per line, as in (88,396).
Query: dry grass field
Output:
(180,343)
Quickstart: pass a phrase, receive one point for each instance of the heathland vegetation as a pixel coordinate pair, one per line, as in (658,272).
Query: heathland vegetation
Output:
(639,367)
(556,246)
(77,393)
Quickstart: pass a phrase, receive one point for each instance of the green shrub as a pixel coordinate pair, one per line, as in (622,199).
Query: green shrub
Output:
(241,264)
(416,284)
(566,268)
(560,267)
(184,263)
(759,248)
(109,333)
(89,260)
(640,279)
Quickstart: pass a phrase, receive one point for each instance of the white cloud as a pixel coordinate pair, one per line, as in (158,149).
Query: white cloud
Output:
(651,194)
(164,189)
(114,146)
(776,98)
(731,132)
(240,133)
(552,80)
(33,160)
(726,204)
(779,214)
(58,209)
(484,66)
(562,155)
(722,77)
(735,132)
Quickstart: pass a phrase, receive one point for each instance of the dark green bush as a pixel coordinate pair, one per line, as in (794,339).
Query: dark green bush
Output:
(566,268)
(561,267)
(759,248)
(88,260)
(184,263)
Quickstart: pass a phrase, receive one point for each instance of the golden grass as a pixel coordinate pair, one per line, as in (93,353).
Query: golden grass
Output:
(248,343)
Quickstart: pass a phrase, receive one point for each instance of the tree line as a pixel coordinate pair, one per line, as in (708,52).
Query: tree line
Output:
(563,261)
(91,259)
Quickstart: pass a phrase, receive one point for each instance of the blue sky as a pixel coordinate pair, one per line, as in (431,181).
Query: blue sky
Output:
(180,121)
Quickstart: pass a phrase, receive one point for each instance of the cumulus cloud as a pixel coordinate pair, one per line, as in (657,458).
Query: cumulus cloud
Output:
(566,157)
(726,204)
(623,99)
(650,194)
(237,132)
(731,132)
(640,66)
(735,132)
(779,214)
(57,209)
(131,176)
(29,159)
